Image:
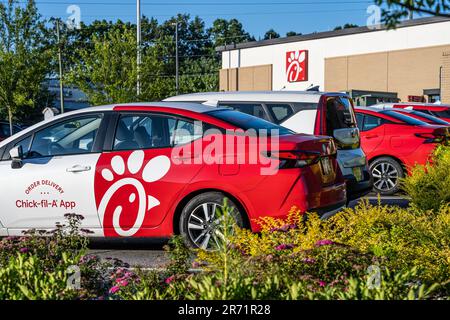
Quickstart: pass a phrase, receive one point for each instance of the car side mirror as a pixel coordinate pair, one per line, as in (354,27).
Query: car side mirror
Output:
(16,154)
(347,137)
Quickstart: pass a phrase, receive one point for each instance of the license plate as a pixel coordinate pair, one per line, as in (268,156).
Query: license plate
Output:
(327,169)
(357,172)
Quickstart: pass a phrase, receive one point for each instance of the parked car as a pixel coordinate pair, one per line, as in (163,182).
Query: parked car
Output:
(394,142)
(5,131)
(132,171)
(438,110)
(425,117)
(308,112)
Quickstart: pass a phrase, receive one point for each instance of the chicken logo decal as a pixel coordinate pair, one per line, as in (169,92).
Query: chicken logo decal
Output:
(122,191)
(297,66)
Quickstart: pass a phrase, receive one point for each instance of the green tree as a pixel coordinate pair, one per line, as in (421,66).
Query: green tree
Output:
(107,69)
(228,31)
(399,9)
(25,58)
(271,34)
(292,33)
(346,26)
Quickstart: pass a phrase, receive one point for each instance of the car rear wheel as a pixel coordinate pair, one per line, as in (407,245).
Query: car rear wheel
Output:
(201,221)
(387,174)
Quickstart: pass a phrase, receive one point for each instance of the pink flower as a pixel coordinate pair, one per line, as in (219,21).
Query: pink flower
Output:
(114,289)
(169,280)
(322,283)
(324,242)
(284,247)
(123,283)
(24,250)
(309,260)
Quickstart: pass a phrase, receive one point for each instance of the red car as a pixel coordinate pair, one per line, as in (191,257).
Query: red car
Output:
(151,170)
(425,117)
(394,142)
(438,110)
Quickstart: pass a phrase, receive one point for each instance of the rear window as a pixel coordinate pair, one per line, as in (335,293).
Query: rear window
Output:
(339,114)
(429,117)
(404,118)
(443,113)
(280,112)
(253,109)
(246,122)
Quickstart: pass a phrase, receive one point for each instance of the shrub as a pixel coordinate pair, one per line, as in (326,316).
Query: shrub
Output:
(429,186)
(25,277)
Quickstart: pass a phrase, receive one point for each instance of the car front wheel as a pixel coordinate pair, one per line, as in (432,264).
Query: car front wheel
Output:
(202,220)
(387,174)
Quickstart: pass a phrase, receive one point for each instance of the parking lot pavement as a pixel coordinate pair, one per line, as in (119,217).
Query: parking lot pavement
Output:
(399,200)
(150,253)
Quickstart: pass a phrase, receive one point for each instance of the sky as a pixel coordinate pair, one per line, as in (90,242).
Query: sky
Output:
(257,16)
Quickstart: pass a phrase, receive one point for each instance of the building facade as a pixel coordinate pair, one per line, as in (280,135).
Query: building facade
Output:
(410,63)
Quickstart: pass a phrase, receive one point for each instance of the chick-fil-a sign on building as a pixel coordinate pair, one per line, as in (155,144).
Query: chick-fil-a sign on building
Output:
(297,65)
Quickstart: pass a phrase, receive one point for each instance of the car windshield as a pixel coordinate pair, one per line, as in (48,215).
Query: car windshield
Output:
(404,118)
(246,122)
(430,117)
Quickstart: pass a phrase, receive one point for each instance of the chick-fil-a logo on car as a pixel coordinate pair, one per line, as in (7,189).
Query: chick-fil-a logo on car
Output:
(297,65)
(124,186)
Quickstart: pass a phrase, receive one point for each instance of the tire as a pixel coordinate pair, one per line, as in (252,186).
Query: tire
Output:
(193,223)
(387,173)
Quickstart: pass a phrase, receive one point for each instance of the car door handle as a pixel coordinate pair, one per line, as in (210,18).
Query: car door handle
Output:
(78,168)
(372,136)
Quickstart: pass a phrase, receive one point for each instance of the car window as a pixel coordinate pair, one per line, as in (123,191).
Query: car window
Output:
(339,114)
(360,120)
(280,112)
(371,122)
(135,132)
(430,117)
(404,118)
(443,113)
(185,131)
(74,136)
(253,109)
(246,122)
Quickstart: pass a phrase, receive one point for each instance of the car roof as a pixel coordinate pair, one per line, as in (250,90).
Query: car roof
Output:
(186,106)
(275,96)
(189,106)
(368,109)
(414,104)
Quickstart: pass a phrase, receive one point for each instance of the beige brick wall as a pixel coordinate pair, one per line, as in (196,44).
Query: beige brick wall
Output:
(407,72)
(246,79)
(445,80)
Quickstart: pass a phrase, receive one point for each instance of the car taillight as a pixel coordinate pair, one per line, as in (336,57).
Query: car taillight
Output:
(295,158)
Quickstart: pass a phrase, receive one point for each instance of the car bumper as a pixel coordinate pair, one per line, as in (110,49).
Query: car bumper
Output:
(357,189)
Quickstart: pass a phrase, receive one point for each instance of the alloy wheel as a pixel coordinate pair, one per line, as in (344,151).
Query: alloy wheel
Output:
(204,226)
(385,176)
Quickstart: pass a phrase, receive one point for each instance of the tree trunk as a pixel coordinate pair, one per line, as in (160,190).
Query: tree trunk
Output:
(10,116)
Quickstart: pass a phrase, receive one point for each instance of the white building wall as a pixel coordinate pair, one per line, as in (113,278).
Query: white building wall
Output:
(434,34)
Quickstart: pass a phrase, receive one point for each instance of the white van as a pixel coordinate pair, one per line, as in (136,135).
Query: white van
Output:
(309,112)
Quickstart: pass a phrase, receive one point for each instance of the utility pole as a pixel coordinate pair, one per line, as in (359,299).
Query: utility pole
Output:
(61,86)
(177,75)
(139,39)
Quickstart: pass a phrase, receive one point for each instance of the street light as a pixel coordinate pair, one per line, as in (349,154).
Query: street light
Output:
(138,38)
(177,75)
